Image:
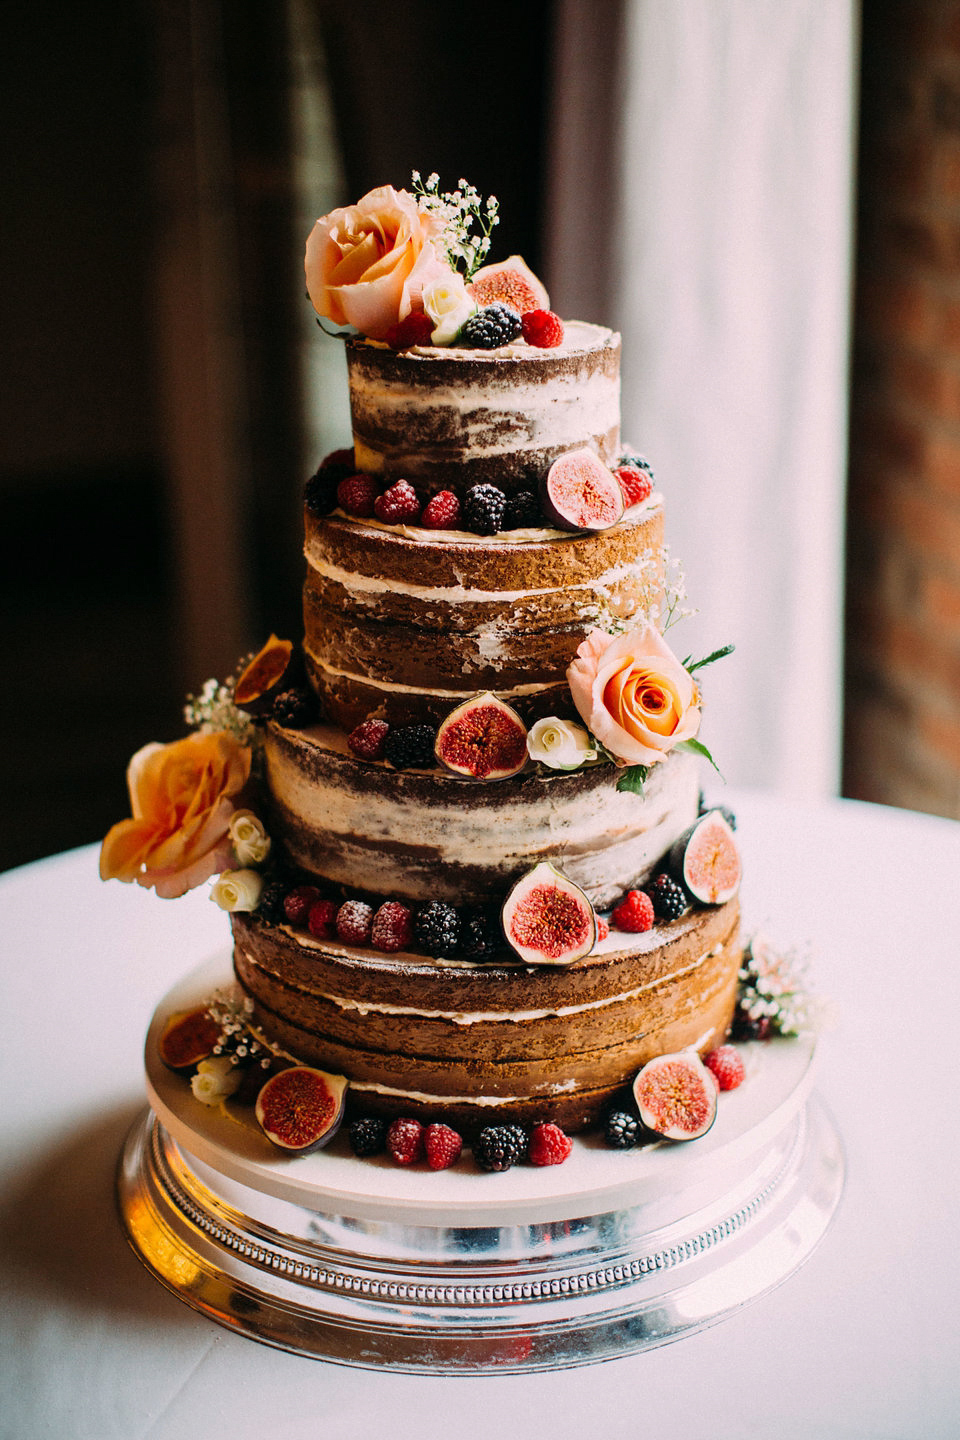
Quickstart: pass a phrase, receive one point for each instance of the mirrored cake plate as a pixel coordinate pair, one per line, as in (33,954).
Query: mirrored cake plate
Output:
(366,1263)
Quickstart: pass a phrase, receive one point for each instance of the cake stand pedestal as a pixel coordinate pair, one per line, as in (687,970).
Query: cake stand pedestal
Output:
(364,1263)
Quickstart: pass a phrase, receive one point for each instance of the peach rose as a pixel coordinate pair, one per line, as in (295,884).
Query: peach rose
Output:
(367,264)
(181,803)
(634,695)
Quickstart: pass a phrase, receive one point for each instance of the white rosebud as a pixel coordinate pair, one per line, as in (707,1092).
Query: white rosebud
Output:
(215,1080)
(251,843)
(449,306)
(237,890)
(560,744)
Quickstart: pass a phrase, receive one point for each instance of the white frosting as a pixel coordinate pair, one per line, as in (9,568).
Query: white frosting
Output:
(396,688)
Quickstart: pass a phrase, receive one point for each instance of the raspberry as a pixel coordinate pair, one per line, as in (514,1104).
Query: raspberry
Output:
(549,1145)
(391,928)
(405,1141)
(398,505)
(634,913)
(443,1146)
(366,740)
(442,512)
(357,494)
(522,511)
(603,929)
(623,1130)
(484,508)
(669,899)
(415,329)
(542,328)
(298,903)
(635,484)
(322,920)
(354,919)
(726,1067)
(497,1147)
(368,1135)
(411,746)
(437,928)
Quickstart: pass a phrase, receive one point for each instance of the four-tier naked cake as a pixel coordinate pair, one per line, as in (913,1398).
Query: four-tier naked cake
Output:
(474,893)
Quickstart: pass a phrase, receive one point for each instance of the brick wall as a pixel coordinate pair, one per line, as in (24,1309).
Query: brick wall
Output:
(902,732)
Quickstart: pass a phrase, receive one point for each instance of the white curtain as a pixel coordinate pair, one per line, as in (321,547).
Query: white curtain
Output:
(704,207)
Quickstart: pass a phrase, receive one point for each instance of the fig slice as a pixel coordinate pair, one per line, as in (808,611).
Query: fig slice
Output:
(676,1096)
(547,919)
(187,1038)
(511,281)
(706,861)
(482,738)
(263,677)
(299,1109)
(579,493)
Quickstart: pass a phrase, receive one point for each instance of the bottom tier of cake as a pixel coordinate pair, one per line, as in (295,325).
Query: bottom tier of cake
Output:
(480,1044)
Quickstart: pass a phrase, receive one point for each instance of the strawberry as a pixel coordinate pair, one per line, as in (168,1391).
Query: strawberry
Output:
(356,495)
(726,1067)
(405,1141)
(442,512)
(635,484)
(443,1146)
(398,505)
(549,1145)
(542,328)
(634,913)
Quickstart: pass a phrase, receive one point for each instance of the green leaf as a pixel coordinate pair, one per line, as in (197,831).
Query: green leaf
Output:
(691,665)
(632,778)
(699,749)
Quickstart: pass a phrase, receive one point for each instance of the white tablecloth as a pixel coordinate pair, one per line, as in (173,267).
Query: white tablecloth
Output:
(861,1342)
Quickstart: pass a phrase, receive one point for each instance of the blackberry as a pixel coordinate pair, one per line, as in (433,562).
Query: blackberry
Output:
(436,926)
(295,708)
(669,899)
(484,508)
(522,510)
(368,1135)
(623,1130)
(410,745)
(746,1027)
(522,1141)
(480,935)
(320,491)
(271,902)
(491,327)
(497,1147)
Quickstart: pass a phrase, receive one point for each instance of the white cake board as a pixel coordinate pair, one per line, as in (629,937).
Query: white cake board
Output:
(366,1263)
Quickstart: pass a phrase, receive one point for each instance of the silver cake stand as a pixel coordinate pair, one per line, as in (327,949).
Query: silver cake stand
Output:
(364,1263)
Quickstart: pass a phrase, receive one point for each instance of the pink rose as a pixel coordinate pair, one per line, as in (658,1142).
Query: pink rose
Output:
(182,801)
(634,695)
(367,264)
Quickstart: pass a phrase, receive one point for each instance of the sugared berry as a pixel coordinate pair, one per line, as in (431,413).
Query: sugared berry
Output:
(522,511)
(415,329)
(443,1146)
(484,508)
(549,1145)
(398,505)
(497,1148)
(622,1130)
(405,1141)
(635,913)
(354,922)
(322,919)
(669,898)
(410,747)
(436,927)
(726,1066)
(295,708)
(491,327)
(366,739)
(636,484)
(356,495)
(441,512)
(368,1135)
(391,928)
(542,328)
(297,903)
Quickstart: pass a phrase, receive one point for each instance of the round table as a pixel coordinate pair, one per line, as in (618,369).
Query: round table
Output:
(859,1342)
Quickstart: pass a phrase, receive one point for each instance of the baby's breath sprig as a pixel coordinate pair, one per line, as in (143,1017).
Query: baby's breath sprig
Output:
(458,211)
(214,708)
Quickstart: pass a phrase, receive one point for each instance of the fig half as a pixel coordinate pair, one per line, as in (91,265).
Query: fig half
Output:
(580,493)
(511,281)
(300,1108)
(263,677)
(482,738)
(676,1096)
(547,919)
(706,861)
(187,1038)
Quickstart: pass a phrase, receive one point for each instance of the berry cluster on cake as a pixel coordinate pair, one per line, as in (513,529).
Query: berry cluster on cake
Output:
(474,893)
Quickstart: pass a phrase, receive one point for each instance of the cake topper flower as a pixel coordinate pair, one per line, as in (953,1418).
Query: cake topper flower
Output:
(182,803)
(634,695)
